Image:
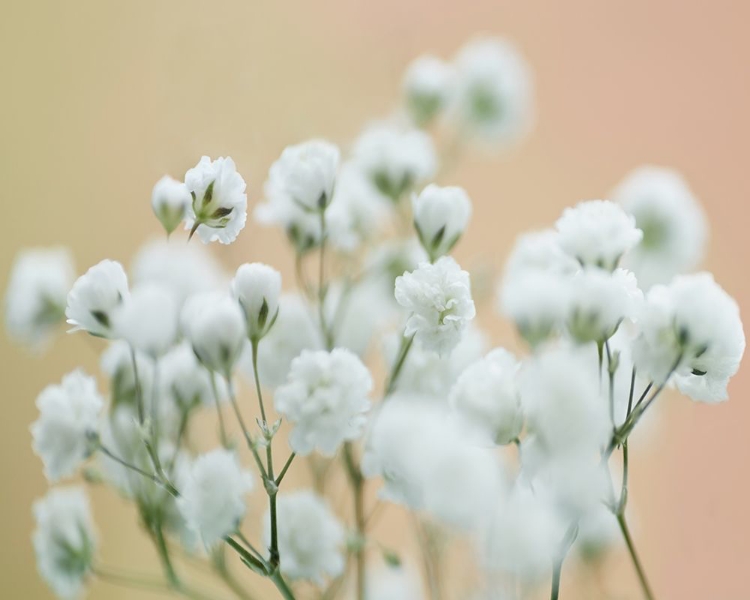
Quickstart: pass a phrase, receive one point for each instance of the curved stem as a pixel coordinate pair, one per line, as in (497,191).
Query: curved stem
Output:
(360,519)
(403,352)
(648,594)
(567,542)
(222,427)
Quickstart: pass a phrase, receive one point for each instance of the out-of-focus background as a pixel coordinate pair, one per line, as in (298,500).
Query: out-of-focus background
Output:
(100,99)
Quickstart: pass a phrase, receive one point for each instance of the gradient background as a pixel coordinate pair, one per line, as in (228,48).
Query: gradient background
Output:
(99,99)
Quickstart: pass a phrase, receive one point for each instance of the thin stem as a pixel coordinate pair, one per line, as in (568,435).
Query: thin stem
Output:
(161,546)
(634,556)
(147,582)
(250,546)
(428,562)
(222,427)
(567,542)
(644,394)
(322,287)
(285,469)
(403,352)
(624,489)
(104,450)
(281,585)
(357,481)
(611,372)
(630,395)
(248,438)
(184,417)
(247,557)
(254,348)
(138,390)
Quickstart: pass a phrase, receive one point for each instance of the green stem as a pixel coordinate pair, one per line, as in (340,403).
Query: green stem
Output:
(146,582)
(222,427)
(288,464)
(322,287)
(403,352)
(254,348)
(281,585)
(161,547)
(357,481)
(568,539)
(648,594)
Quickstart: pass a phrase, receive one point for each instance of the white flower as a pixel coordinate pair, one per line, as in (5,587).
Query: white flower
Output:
(257,288)
(306,174)
(597,233)
(214,326)
(494,90)
(170,200)
(37,294)
(212,501)
(219,208)
(64,540)
(487,396)
(394,583)
(185,269)
(295,330)
(440,218)
(148,320)
(598,530)
(95,296)
(117,363)
(69,417)
(600,301)
(427,86)
(673,224)
(185,382)
(310,537)
(439,298)
(539,251)
(395,161)
(325,398)
(692,328)
(303,227)
(562,400)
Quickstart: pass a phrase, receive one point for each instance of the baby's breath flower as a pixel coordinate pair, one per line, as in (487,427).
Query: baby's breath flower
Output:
(170,200)
(40,280)
(394,582)
(673,224)
(64,540)
(68,421)
(597,233)
(148,320)
(219,204)
(440,218)
(257,288)
(95,296)
(212,501)
(310,537)
(117,363)
(185,382)
(539,251)
(325,399)
(439,298)
(427,87)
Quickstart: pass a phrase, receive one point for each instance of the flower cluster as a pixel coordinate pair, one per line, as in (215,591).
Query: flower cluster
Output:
(509,451)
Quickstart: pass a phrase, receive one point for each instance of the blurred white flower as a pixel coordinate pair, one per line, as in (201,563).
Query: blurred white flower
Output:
(325,399)
(310,537)
(672,220)
(35,300)
(692,327)
(257,288)
(494,96)
(212,500)
(394,583)
(95,296)
(64,540)
(539,251)
(486,395)
(427,86)
(395,161)
(185,382)
(214,326)
(438,297)
(148,320)
(597,531)
(68,420)
(219,208)
(117,363)
(440,218)
(170,200)
(597,233)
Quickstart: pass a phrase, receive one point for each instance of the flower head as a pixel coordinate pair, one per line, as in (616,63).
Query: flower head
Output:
(325,398)
(170,200)
(185,382)
(95,296)
(148,320)
(212,500)
(439,298)
(427,88)
(68,420)
(64,540)
(219,208)
(37,294)
(440,218)
(257,288)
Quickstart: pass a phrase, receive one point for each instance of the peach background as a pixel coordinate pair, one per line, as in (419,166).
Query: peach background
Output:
(101,98)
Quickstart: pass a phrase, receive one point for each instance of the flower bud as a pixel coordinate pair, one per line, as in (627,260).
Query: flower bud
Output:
(257,288)
(427,87)
(306,173)
(170,200)
(440,217)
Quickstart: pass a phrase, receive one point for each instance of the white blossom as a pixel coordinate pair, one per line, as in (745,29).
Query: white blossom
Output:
(394,583)
(440,218)
(395,161)
(219,208)
(438,297)
(170,200)
(597,233)
(257,288)
(539,251)
(310,537)
(303,227)
(185,382)
(325,399)
(598,530)
(494,91)
(212,500)
(427,87)
(148,320)
(672,220)
(691,328)
(214,326)
(117,363)
(95,296)
(35,300)
(487,396)
(64,540)
(68,418)
(306,174)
